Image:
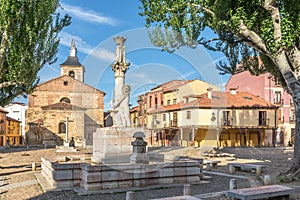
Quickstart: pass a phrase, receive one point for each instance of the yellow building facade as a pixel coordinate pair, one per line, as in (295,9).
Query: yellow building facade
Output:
(216,119)
(13,131)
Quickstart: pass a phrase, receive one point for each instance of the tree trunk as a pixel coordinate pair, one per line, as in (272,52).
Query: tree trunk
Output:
(293,85)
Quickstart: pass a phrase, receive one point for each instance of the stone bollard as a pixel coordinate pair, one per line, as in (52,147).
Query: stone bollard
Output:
(231,169)
(267,180)
(258,170)
(232,184)
(208,167)
(187,189)
(130,195)
(33,167)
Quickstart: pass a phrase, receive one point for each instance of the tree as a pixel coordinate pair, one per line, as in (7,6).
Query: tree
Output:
(28,40)
(261,35)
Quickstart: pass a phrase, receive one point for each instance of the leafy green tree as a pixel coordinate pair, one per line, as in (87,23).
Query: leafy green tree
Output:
(260,35)
(28,40)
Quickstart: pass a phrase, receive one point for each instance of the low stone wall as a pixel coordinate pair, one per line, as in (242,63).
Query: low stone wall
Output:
(100,177)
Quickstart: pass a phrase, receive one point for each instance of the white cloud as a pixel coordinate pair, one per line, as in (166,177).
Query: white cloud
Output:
(82,46)
(88,15)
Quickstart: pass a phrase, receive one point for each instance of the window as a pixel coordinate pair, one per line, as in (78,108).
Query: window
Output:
(62,127)
(277,97)
(174,123)
(155,101)
(292,116)
(262,118)
(226,118)
(72,74)
(164,117)
(168,102)
(188,114)
(186,100)
(65,100)
(174,101)
(150,101)
(154,120)
(277,82)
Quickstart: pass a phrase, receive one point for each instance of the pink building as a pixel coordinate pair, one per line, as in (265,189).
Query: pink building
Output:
(266,87)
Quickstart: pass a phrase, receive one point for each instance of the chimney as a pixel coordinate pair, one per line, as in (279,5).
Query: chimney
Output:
(233,91)
(209,93)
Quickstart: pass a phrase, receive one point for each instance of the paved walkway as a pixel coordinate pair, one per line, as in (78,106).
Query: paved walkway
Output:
(18,184)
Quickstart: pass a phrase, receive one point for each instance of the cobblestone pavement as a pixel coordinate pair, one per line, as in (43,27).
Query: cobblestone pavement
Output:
(19,183)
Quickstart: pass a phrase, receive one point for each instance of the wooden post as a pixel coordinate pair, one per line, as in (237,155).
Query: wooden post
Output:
(130,195)
(187,189)
(33,166)
(232,184)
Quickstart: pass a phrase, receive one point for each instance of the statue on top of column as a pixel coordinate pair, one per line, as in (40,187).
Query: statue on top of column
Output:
(120,101)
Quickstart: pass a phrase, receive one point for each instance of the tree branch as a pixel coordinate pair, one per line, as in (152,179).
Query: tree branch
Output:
(204,9)
(3,47)
(7,84)
(294,58)
(256,40)
(269,5)
(208,41)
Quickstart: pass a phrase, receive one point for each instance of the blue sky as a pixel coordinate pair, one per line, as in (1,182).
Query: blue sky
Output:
(95,23)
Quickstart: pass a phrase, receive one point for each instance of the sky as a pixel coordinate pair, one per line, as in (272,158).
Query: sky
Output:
(94,25)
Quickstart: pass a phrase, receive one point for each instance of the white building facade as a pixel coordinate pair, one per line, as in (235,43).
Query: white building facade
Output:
(17,111)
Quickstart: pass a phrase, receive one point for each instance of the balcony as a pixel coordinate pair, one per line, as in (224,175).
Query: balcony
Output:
(292,119)
(281,119)
(278,101)
(227,123)
(174,123)
(263,122)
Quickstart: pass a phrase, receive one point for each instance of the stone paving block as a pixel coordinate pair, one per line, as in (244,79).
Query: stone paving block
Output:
(76,174)
(139,182)
(124,176)
(193,171)
(180,164)
(90,168)
(138,175)
(110,185)
(193,163)
(92,186)
(180,179)
(64,184)
(152,181)
(125,184)
(109,175)
(163,181)
(152,174)
(63,175)
(192,179)
(180,172)
(166,172)
(91,177)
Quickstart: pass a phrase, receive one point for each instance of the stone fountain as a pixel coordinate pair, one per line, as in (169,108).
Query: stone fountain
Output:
(120,158)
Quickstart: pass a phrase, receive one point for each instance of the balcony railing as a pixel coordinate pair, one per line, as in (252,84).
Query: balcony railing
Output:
(278,101)
(227,123)
(292,119)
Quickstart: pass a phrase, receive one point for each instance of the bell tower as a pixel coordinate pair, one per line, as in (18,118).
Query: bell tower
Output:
(72,66)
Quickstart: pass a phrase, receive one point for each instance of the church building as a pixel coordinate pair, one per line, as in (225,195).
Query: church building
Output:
(65,107)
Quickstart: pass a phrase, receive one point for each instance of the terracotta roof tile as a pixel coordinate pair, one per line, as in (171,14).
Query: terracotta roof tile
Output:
(12,119)
(220,100)
(3,110)
(134,109)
